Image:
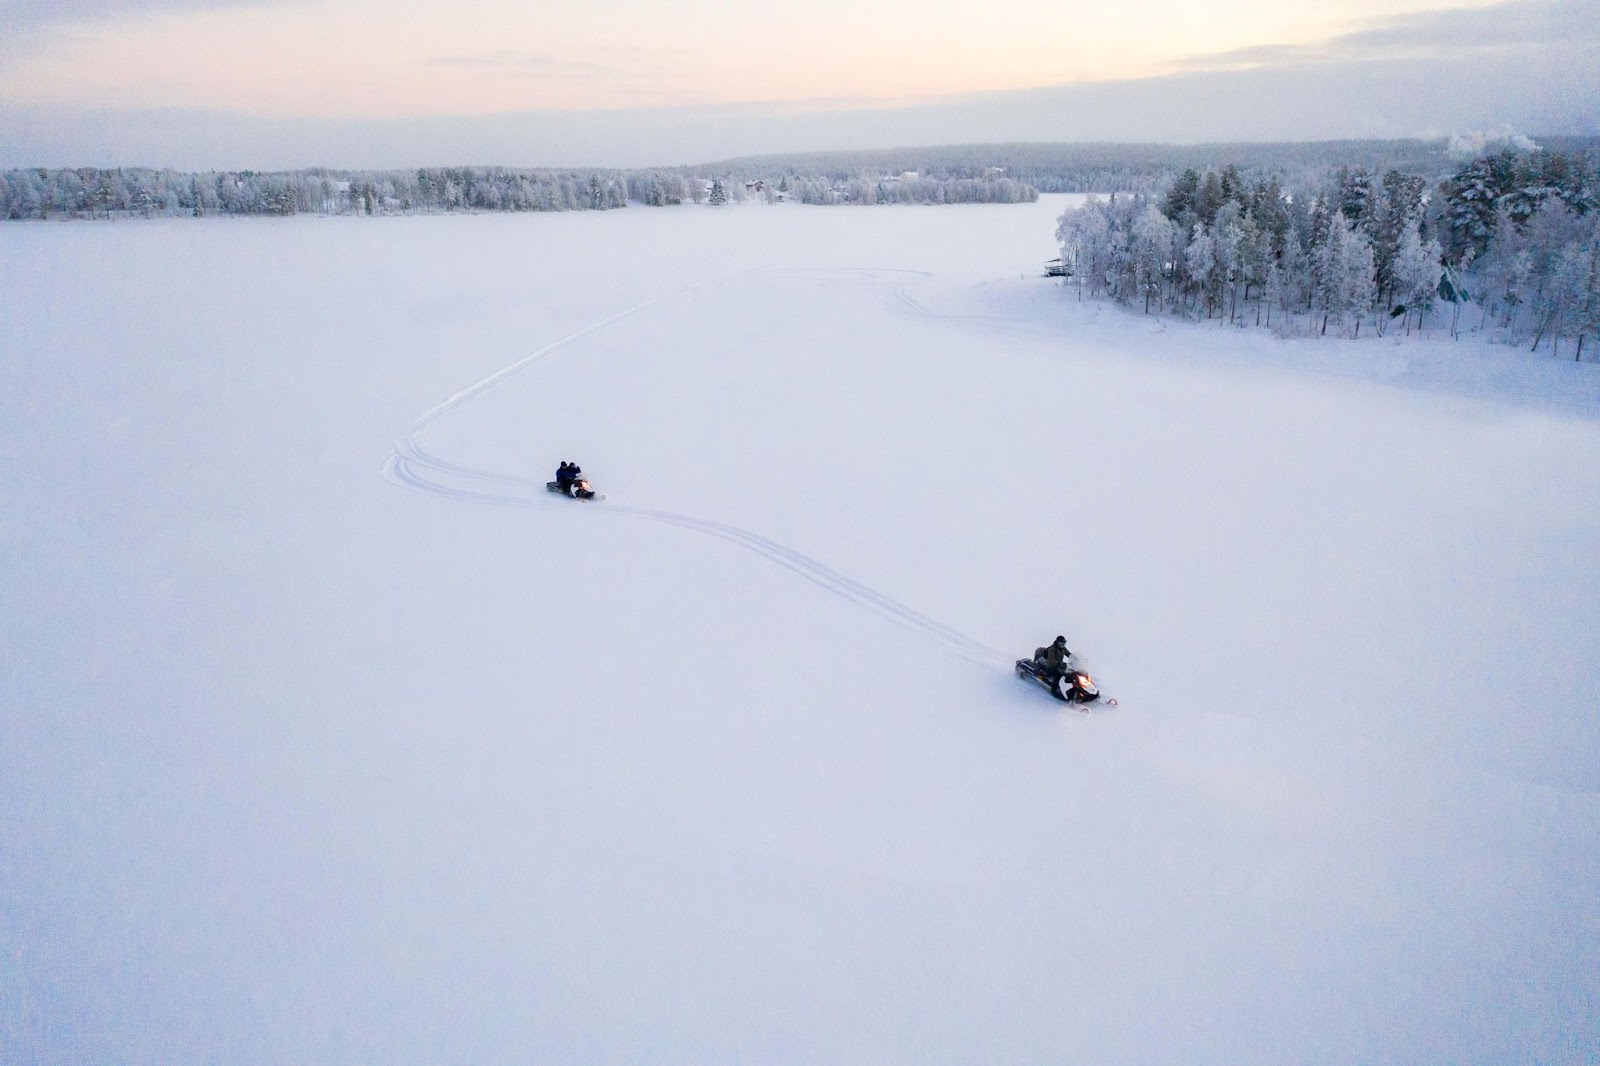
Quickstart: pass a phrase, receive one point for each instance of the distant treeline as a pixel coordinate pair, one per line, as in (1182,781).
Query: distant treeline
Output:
(1110,168)
(88,192)
(987,173)
(1517,231)
(990,189)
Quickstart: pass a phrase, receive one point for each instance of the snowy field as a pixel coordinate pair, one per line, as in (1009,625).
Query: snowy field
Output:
(327,735)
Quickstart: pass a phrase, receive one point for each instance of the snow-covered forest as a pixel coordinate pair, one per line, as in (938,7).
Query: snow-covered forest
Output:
(1283,239)
(1515,232)
(972,173)
(88,192)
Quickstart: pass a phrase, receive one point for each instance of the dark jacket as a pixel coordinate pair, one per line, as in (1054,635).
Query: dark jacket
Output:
(1052,655)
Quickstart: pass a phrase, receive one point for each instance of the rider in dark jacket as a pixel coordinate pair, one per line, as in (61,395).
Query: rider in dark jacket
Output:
(566,474)
(1053,657)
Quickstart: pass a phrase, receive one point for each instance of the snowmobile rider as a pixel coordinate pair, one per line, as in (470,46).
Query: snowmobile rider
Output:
(567,475)
(1053,658)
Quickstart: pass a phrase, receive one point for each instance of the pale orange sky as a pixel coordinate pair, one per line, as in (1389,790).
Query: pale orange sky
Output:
(363,58)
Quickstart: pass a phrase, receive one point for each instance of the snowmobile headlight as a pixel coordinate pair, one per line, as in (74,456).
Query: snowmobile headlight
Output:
(1086,683)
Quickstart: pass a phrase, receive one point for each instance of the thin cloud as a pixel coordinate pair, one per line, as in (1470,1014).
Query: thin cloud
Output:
(642,77)
(42,14)
(525,63)
(1461,31)
(28,25)
(1398,98)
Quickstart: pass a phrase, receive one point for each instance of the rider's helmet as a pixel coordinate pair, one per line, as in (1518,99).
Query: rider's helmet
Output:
(1061,641)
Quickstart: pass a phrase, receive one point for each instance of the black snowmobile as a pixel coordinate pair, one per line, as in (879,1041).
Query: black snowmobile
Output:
(1071,684)
(580,490)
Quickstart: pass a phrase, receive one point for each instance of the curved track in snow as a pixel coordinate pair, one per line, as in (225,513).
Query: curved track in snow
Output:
(411,465)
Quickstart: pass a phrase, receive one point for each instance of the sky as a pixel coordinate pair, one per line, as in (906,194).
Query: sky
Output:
(634,83)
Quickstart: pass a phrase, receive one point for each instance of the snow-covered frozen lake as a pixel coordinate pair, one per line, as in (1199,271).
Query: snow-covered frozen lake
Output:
(327,735)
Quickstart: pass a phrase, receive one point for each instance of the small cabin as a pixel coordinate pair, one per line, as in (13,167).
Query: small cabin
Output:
(1057,268)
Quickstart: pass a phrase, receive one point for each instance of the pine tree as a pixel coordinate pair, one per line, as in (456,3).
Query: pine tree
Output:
(1209,198)
(1471,198)
(719,195)
(1355,194)
(1271,212)
(1179,202)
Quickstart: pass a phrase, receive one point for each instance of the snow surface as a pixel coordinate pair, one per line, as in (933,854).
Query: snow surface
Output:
(300,765)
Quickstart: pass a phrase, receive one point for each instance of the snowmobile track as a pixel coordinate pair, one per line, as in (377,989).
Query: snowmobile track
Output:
(411,465)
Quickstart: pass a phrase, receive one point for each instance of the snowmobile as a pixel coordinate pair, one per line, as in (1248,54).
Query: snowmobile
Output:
(580,490)
(1071,685)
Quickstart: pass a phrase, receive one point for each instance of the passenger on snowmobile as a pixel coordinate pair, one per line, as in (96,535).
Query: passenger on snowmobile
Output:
(1053,657)
(566,474)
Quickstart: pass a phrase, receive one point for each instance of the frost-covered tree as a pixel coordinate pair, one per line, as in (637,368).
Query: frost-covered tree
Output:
(719,195)
(1585,286)
(1085,238)
(1558,242)
(1570,293)
(1347,289)
(1254,255)
(1200,266)
(1150,252)
(1227,233)
(1293,277)
(1416,272)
